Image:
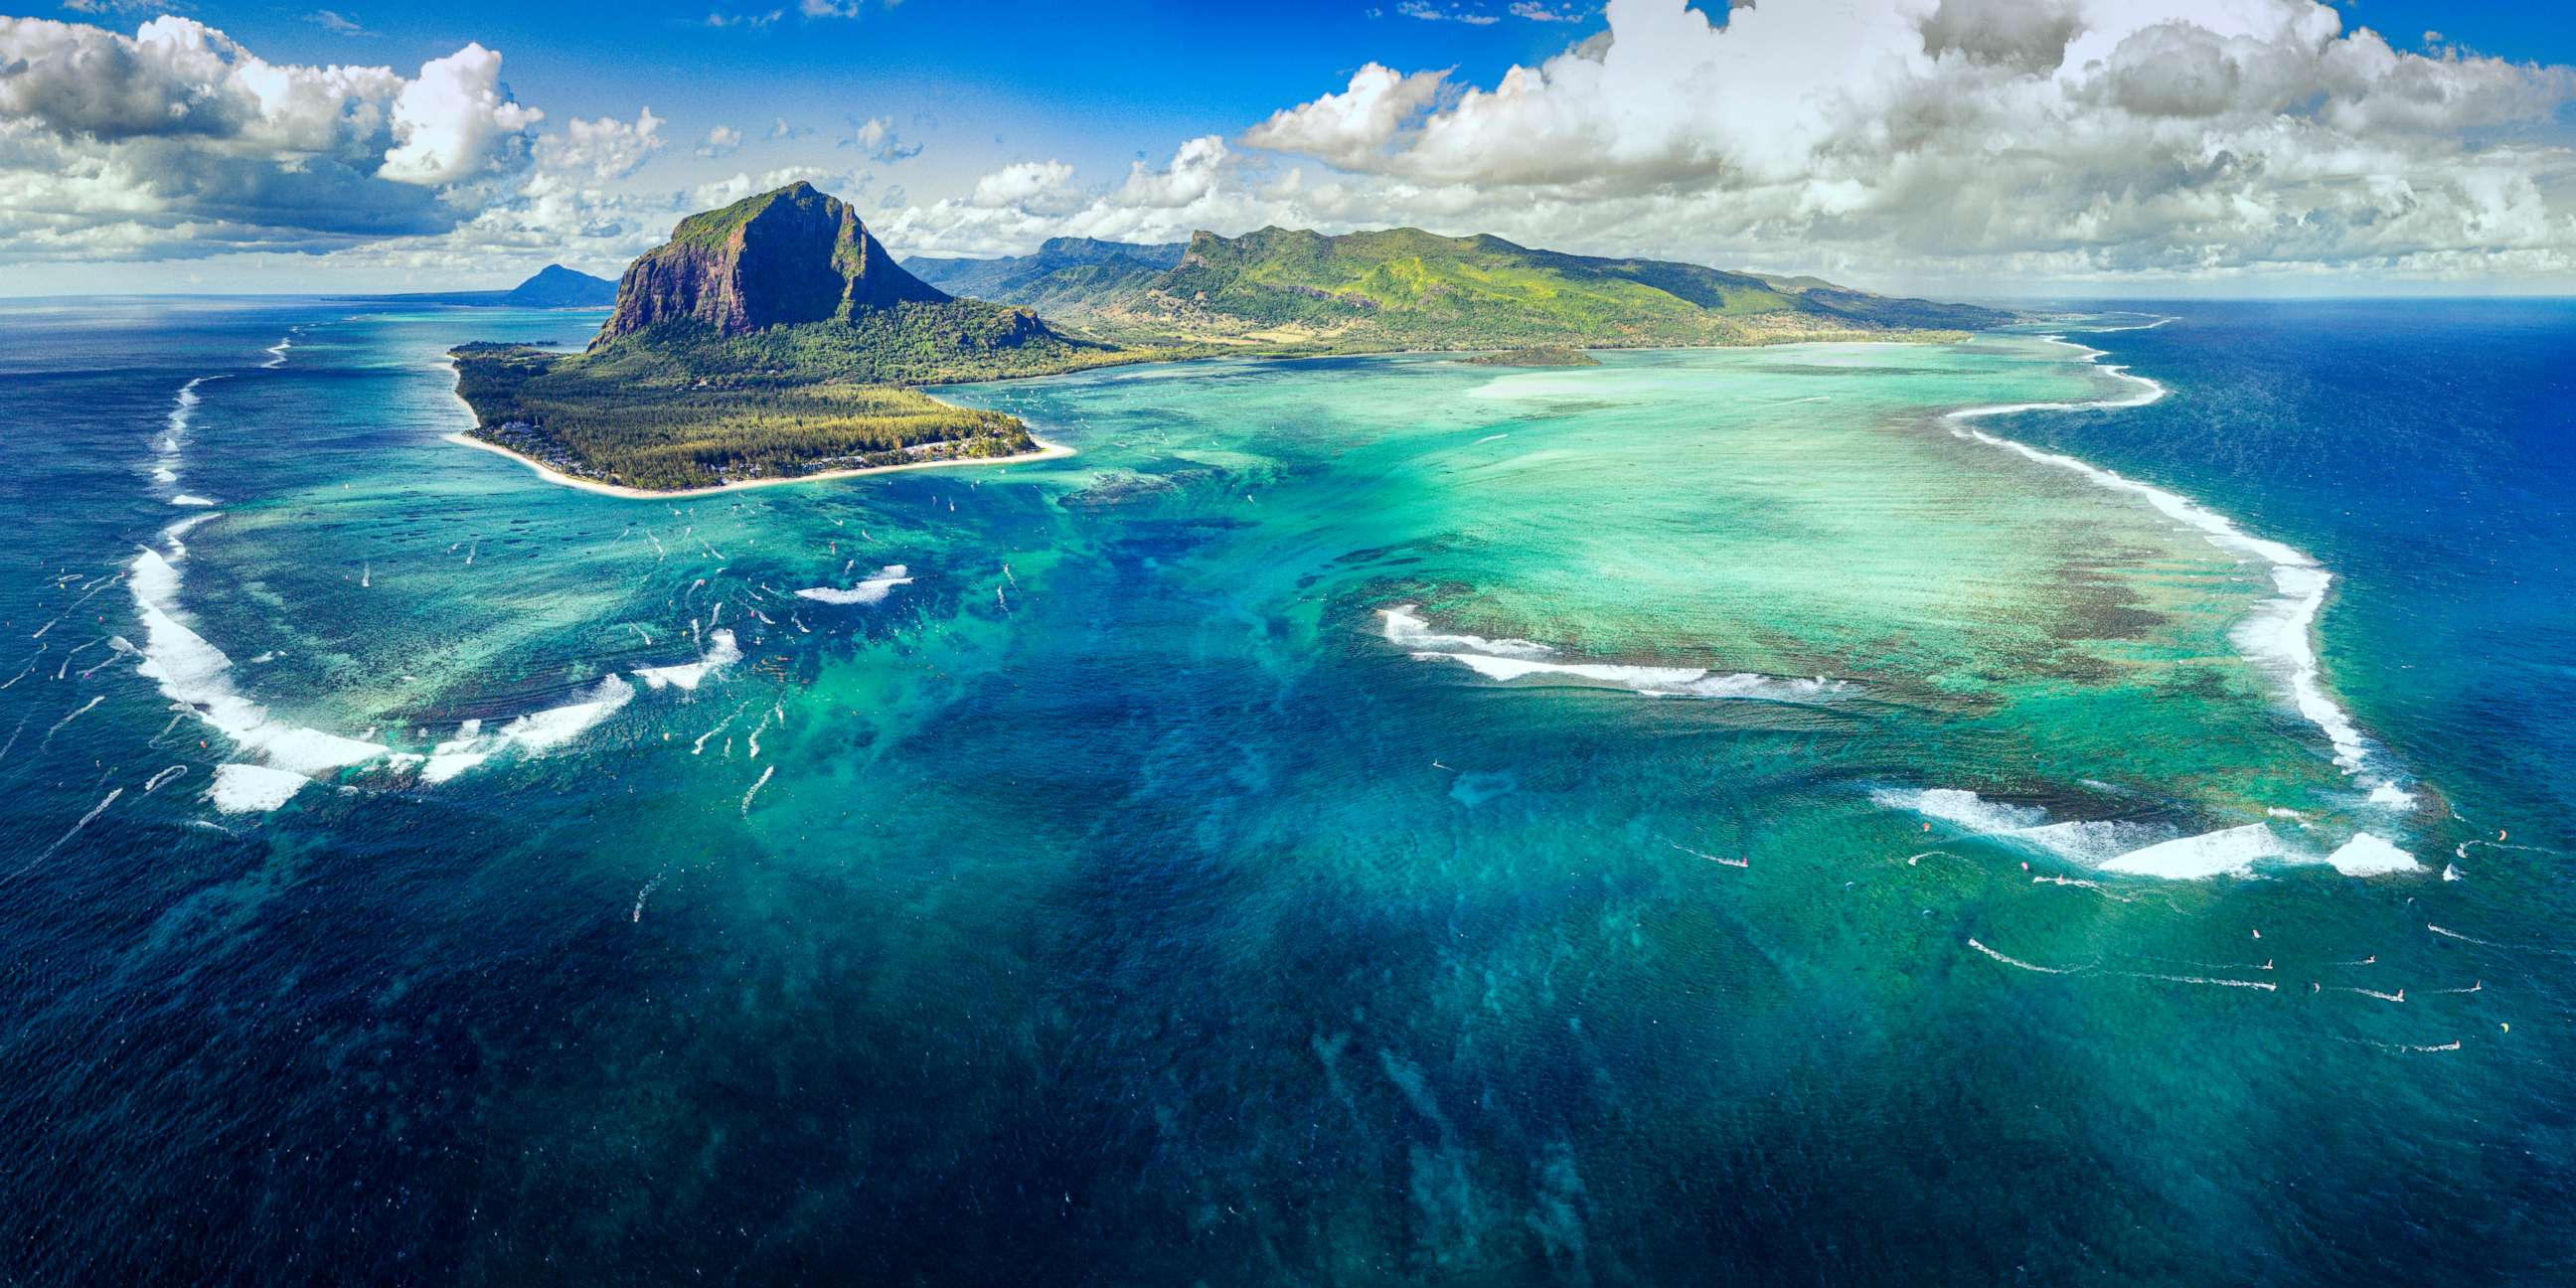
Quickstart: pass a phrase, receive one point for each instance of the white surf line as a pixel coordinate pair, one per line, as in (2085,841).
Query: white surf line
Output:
(94,812)
(2029,966)
(755,789)
(1505,660)
(193,673)
(2280,630)
(277,353)
(183,408)
(2106,330)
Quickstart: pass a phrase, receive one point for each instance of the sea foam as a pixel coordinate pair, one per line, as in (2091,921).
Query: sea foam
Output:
(196,675)
(2228,851)
(533,734)
(721,652)
(253,789)
(2092,842)
(2279,634)
(871,591)
(2366,855)
(1406,630)
(1514,659)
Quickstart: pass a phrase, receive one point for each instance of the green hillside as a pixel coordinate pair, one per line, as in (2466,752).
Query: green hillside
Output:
(1066,273)
(771,338)
(1406,288)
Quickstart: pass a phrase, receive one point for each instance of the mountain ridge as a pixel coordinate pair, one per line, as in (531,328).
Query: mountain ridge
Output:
(1410,288)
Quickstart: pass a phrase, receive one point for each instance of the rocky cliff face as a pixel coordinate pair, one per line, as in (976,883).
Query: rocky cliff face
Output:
(790,256)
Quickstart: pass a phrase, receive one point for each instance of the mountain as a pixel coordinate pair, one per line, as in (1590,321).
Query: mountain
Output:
(1404,287)
(558,287)
(789,287)
(1066,272)
(781,258)
(554,287)
(771,338)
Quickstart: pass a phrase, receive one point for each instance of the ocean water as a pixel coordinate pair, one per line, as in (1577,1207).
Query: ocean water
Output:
(1751,816)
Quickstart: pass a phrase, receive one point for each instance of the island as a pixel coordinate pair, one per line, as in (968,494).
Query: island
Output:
(775,340)
(551,287)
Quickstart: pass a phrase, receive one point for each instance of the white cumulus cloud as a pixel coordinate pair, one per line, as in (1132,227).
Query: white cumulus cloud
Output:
(2061,138)
(721,141)
(608,148)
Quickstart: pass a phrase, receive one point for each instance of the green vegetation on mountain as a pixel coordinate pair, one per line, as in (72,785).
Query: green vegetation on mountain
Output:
(1406,288)
(772,338)
(645,421)
(1066,273)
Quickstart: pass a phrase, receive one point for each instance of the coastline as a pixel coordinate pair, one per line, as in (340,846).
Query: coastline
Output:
(1046,452)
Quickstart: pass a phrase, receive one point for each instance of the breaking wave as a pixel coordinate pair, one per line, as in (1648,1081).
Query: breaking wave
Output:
(721,652)
(2279,635)
(197,675)
(1513,659)
(2138,849)
(533,734)
(871,591)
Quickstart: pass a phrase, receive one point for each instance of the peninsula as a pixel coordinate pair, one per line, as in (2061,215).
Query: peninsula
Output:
(775,339)
(772,339)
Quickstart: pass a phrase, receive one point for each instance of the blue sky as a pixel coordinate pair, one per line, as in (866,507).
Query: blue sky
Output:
(977,85)
(2256,146)
(1013,80)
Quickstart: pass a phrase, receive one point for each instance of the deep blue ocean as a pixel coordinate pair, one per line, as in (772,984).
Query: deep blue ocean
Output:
(1354,822)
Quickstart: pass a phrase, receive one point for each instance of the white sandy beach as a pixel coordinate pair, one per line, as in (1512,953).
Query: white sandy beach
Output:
(1046,452)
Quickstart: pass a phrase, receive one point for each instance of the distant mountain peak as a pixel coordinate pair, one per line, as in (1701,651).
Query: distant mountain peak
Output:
(558,287)
(791,255)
